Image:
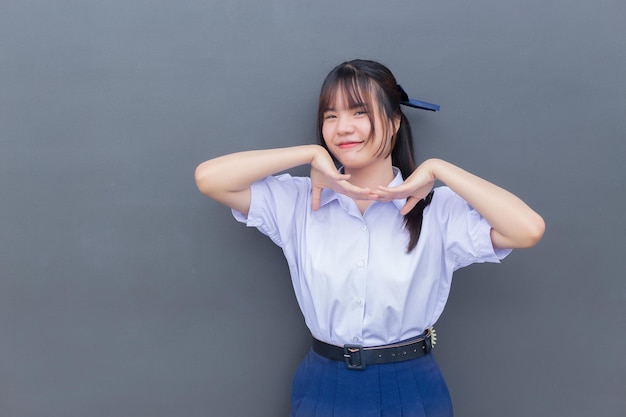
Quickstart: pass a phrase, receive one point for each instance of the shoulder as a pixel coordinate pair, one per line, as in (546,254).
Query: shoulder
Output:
(275,202)
(444,197)
(285,182)
(280,189)
(447,205)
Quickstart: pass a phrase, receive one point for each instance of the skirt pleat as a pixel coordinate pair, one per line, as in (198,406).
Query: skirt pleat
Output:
(309,379)
(432,389)
(355,396)
(411,398)
(326,388)
(390,404)
(328,391)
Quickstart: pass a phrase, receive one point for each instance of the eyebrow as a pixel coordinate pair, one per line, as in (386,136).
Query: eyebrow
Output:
(355,107)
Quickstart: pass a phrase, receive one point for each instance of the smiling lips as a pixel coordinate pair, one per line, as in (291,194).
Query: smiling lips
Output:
(348,145)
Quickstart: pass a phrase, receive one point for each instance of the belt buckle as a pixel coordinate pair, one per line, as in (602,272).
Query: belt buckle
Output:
(353,356)
(433,337)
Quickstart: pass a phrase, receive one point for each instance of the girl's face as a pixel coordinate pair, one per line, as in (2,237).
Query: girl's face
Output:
(350,136)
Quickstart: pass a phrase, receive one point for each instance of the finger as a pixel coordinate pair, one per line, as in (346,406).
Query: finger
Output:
(397,189)
(394,192)
(390,194)
(411,202)
(334,174)
(341,177)
(380,196)
(357,192)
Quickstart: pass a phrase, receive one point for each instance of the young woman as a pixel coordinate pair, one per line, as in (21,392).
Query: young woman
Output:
(371,247)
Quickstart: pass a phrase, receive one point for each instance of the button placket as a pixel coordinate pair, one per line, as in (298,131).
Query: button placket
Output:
(358,298)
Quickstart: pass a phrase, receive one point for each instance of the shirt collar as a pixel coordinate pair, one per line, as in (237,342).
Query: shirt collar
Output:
(329,195)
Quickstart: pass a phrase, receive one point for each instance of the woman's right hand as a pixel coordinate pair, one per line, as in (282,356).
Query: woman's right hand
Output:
(227,179)
(324,174)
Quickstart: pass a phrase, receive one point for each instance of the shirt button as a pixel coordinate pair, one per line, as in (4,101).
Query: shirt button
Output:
(356,339)
(364,228)
(360,264)
(358,302)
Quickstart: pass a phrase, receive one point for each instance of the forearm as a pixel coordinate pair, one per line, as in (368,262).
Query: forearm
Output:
(514,223)
(224,177)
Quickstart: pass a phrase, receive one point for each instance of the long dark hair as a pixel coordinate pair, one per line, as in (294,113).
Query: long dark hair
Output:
(362,77)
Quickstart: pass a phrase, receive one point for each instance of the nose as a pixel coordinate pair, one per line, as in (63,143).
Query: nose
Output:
(344,125)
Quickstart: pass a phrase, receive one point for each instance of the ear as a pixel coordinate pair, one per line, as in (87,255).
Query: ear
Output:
(397,119)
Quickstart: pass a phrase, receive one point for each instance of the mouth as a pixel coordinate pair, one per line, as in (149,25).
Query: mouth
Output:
(348,145)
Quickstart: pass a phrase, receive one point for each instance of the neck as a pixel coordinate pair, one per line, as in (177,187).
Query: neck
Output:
(373,175)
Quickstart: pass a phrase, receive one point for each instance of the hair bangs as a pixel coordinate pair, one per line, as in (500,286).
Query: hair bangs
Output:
(372,84)
(357,90)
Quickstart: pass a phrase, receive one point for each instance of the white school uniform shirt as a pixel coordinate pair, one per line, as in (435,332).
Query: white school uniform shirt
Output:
(352,276)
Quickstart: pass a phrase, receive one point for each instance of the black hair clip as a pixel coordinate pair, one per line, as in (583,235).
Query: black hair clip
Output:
(405,100)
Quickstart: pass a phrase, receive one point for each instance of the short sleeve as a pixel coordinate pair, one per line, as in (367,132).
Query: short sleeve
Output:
(275,203)
(466,234)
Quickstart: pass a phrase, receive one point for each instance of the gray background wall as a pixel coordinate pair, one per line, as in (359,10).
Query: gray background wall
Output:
(124,292)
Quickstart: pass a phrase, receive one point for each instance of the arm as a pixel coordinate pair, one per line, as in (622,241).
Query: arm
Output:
(514,224)
(227,179)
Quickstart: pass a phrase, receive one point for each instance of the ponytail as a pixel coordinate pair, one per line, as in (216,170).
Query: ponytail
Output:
(402,158)
(362,76)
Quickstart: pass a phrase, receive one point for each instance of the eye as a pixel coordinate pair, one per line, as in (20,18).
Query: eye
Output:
(328,116)
(360,111)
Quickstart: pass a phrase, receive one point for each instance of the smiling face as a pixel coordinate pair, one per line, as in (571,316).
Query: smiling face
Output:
(355,131)
(359,113)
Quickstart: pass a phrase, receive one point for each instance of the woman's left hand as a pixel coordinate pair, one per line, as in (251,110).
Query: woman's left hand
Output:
(513,223)
(414,188)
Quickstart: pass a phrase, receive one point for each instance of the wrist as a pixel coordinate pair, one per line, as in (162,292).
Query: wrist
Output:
(316,151)
(434,166)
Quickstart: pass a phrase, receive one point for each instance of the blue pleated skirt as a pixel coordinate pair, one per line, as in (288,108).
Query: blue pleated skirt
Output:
(326,388)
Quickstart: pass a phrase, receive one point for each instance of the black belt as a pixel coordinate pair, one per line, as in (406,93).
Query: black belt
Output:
(357,356)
